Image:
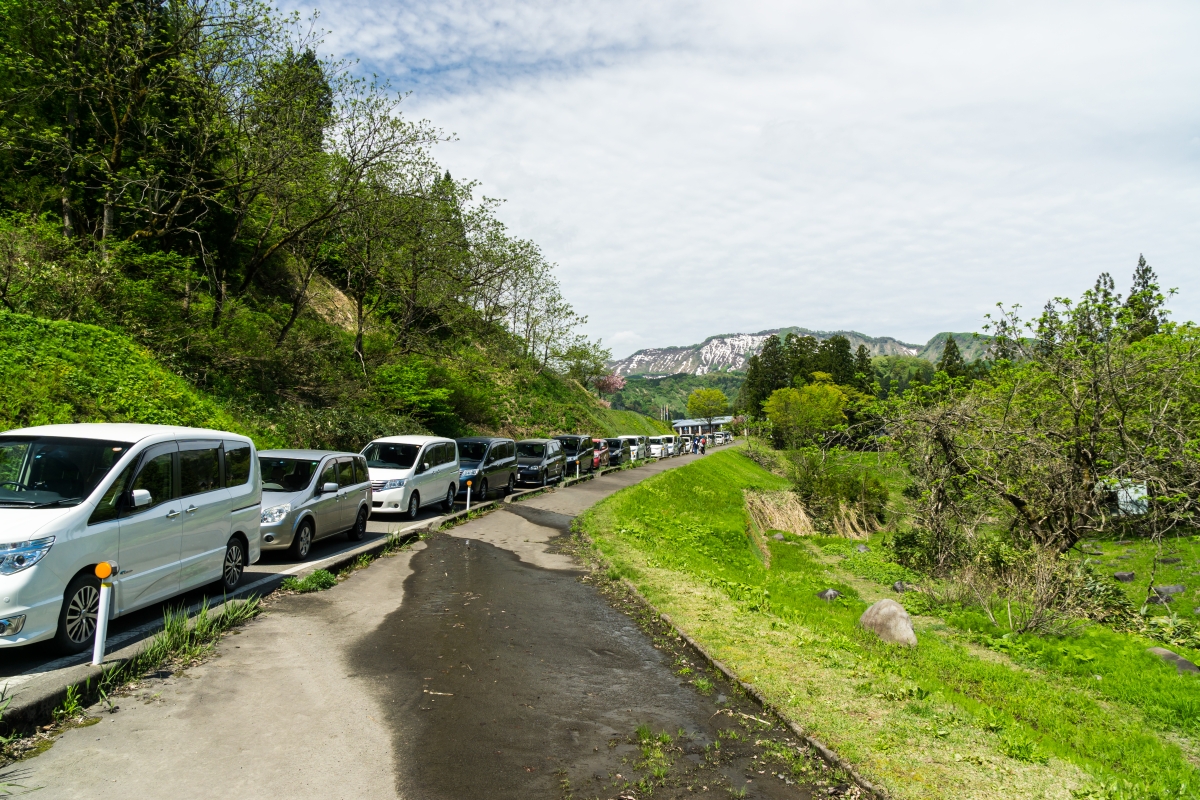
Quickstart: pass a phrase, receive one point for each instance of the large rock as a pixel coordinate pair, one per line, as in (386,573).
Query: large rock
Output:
(862,548)
(829,594)
(1181,664)
(890,622)
(1167,591)
(1124,577)
(1169,560)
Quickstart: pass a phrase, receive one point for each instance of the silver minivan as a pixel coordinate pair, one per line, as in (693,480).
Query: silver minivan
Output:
(411,472)
(171,508)
(310,495)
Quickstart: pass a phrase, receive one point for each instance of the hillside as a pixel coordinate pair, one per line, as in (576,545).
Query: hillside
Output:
(729,352)
(63,372)
(973,346)
(647,395)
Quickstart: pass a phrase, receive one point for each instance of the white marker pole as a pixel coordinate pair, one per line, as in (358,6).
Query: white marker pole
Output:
(577,470)
(104,572)
(468,495)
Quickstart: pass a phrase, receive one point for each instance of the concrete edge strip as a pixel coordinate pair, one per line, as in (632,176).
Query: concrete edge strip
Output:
(828,756)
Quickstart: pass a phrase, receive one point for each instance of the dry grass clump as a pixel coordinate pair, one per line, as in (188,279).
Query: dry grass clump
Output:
(850,522)
(779,511)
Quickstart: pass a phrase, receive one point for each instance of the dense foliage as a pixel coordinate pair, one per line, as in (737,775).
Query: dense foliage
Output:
(269,226)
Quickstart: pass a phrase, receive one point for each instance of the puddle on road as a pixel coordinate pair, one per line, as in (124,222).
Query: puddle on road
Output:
(499,679)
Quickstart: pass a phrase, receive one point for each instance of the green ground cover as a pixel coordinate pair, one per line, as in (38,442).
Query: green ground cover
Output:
(970,712)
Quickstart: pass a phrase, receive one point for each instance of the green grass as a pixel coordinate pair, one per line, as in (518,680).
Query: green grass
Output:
(965,714)
(315,581)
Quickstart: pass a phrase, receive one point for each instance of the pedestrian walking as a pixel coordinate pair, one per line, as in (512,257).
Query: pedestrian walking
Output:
(703,442)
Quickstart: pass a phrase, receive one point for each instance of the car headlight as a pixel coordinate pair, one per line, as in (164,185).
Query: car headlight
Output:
(275,514)
(23,555)
(394,483)
(468,473)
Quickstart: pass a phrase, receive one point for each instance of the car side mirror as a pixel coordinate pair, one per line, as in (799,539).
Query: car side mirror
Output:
(425,467)
(140,498)
(329,488)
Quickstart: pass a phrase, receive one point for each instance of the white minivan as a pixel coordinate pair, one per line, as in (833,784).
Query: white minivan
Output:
(409,472)
(171,508)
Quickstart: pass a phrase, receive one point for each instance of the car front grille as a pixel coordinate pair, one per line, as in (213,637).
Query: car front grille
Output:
(377,486)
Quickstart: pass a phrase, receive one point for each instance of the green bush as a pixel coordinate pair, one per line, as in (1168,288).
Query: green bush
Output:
(827,482)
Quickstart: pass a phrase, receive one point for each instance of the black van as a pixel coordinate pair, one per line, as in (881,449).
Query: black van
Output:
(579,451)
(618,452)
(488,463)
(540,461)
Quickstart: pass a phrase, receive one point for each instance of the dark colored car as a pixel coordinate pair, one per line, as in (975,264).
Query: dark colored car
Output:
(578,450)
(489,463)
(618,451)
(540,461)
(599,453)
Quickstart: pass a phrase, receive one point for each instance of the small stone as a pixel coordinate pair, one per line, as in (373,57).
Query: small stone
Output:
(1167,591)
(721,699)
(1159,599)
(1169,560)
(1125,541)
(1124,577)
(829,594)
(900,587)
(778,537)
(1181,664)
(862,548)
(891,622)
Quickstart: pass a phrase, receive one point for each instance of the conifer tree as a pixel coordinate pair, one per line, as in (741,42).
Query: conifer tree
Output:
(952,362)
(863,371)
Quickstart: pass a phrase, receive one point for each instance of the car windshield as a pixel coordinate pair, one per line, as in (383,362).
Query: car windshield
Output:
(614,442)
(43,471)
(574,445)
(655,440)
(530,449)
(286,474)
(471,451)
(390,455)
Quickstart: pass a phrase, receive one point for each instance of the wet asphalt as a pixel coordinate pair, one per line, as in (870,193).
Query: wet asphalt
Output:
(501,679)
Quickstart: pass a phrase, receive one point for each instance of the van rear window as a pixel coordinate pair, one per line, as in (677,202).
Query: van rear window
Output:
(237,464)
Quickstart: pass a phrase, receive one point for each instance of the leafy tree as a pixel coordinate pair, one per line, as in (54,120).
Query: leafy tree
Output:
(800,416)
(952,362)
(707,404)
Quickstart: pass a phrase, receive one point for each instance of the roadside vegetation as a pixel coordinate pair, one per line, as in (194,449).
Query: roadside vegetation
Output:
(1034,511)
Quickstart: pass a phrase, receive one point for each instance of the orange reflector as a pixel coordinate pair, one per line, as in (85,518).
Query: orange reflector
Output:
(103,570)
(468,483)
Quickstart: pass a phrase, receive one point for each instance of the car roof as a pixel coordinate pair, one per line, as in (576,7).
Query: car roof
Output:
(572,436)
(410,439)
(533,441)
(483,439)
(130,432)
(314,454)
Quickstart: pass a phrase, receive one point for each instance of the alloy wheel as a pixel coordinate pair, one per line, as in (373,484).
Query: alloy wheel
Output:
(235,564)
(82,611)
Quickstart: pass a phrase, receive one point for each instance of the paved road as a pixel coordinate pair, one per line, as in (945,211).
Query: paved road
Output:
(474,665)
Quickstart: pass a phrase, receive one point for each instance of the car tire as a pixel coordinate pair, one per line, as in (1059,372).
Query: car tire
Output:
(545,478)
(483,490)
(448,503)
(77,616)
(302,541)
(359,531)
(234,564)
(512,485)
(414,505)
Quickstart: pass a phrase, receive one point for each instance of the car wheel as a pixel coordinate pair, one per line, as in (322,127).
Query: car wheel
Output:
(302,543)
(77,617)
(235,564)
(448,503)
(512,485)
(359,530)
(483,490)
(545,477)
(414,506)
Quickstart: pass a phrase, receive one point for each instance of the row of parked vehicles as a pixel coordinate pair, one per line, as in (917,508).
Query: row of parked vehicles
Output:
(174,509)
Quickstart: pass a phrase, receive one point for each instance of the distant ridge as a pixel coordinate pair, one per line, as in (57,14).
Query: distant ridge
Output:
(729,352)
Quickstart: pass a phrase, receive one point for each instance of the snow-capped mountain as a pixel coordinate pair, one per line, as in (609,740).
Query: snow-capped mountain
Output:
(729,352)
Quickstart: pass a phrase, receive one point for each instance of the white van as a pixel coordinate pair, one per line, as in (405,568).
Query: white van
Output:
(172,508)
(669,443)
(409,472)
(658,448)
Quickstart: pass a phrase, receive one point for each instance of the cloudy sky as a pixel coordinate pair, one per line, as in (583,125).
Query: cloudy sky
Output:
(895,168)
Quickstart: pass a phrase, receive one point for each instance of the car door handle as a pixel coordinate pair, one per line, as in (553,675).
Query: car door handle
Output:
(173,513)
(191,509)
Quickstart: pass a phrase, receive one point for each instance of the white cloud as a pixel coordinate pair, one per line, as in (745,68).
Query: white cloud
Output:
(699,168)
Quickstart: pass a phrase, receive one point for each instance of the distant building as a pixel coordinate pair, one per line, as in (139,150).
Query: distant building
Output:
(699,426)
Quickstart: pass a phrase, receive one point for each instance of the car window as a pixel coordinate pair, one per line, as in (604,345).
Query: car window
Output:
(329,474)
(345,468)
(109,506)
(237,463)
(451,452)
(361,475)
(199,471)
(155,477)
(473,451)
(510,450)
(388,455)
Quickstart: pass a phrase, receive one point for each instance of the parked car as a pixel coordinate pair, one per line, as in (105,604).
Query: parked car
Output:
(599,453)
(489,463)
(310,495)
(618,451)
(643,447)
(669,441)
(578,452)
(685,444)
(411,472)
(173,508)
(540,461)
(633,447)
(658,448)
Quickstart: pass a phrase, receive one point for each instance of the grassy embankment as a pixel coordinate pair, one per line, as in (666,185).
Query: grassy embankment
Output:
(57,372)
(968,713)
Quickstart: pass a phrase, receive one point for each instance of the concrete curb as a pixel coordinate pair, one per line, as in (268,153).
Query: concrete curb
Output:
(828,756)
